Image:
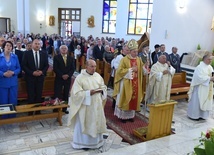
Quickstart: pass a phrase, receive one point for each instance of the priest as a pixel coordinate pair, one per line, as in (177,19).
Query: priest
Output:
(128,84)
(201,90)
(86,115)
(160,81)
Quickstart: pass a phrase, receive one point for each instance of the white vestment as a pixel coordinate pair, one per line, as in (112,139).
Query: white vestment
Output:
(201,92)
(159,86)
(86,113)
(117,61)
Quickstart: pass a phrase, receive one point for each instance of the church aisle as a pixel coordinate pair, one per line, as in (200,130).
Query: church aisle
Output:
(47,137)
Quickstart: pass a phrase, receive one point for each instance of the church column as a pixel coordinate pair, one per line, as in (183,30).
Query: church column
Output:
(20,16)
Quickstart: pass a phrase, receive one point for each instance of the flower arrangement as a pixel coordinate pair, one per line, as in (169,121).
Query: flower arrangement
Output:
(206,146)
(51,103)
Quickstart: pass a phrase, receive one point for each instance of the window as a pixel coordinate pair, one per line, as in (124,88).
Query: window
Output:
(68,17)
(140,15)
(109,16)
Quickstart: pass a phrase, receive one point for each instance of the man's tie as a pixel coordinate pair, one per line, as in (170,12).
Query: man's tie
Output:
(37,65)
(65,59)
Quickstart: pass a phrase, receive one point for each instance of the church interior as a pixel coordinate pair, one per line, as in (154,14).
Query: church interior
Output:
(185,24)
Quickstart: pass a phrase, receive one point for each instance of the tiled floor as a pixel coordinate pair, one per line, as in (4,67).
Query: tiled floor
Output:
(46,137)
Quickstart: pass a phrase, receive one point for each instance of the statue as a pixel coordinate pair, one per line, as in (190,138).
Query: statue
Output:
(51,20)
(91,21)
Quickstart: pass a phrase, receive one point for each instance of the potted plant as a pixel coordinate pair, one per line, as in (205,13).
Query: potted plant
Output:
(199,47)
(206,146)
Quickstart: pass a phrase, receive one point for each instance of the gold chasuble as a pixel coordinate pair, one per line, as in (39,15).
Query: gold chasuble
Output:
(131,93)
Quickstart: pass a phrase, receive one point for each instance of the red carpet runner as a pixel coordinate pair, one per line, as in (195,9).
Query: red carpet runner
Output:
(125,130)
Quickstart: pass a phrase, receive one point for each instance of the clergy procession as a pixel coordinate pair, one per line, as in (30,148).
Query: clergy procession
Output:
(88,94)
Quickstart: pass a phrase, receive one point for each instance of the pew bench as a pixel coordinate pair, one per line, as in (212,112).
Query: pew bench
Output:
(48,88)
(179,86)
(33,108)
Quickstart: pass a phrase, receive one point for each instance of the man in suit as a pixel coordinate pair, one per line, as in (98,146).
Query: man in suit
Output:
(19,53)
(161,52)
(44,40)
(98,51)
(63,66)
(35,66)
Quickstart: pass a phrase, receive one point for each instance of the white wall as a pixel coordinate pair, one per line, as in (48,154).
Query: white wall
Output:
(184,30)
(8,10)
(88,8)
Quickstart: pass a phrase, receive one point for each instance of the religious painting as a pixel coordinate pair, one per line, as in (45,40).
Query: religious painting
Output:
(51,20)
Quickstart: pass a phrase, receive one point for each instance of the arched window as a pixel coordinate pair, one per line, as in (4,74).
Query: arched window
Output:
(109,16)
(140,15)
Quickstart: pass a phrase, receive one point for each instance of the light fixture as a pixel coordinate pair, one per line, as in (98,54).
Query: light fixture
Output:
(40,16)
(182,4)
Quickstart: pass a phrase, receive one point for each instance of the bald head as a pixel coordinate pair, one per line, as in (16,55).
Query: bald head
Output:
(207,58)
(90,66)
(162,59)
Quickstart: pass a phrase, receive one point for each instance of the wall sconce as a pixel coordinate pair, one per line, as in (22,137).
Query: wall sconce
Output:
(40,25)
(182,4)
(40,16)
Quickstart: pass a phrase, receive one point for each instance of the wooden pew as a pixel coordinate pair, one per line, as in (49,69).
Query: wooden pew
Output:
(83,61)
(48,88)
(107,72)
(78,64)
(100,67)
(33,108)
(179,87)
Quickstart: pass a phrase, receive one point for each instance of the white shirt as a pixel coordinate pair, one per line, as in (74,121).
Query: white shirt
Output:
(38,56)
(77,53)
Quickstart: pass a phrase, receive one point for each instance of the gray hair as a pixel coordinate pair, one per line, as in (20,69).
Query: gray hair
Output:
(63,46)
(107,46)
(208,54)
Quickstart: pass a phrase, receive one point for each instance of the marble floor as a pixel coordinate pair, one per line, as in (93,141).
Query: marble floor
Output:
(46,137)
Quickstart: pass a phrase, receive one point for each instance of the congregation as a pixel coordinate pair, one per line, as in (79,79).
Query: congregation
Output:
(28,57)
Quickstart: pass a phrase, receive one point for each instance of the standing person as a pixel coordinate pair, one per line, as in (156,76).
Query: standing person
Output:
(35,66)
(162,52)
(157,48)
(128,84)
(29,46)
(88,96)
(201,90)
(9,70)
(19,53)
(108,55)
(98,51)
(160,81)
(2,40)
(116,63)
(77,54)
(63,66)
(175,60)
(90,52)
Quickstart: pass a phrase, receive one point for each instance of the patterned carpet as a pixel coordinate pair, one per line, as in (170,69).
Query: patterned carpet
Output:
(125,130)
